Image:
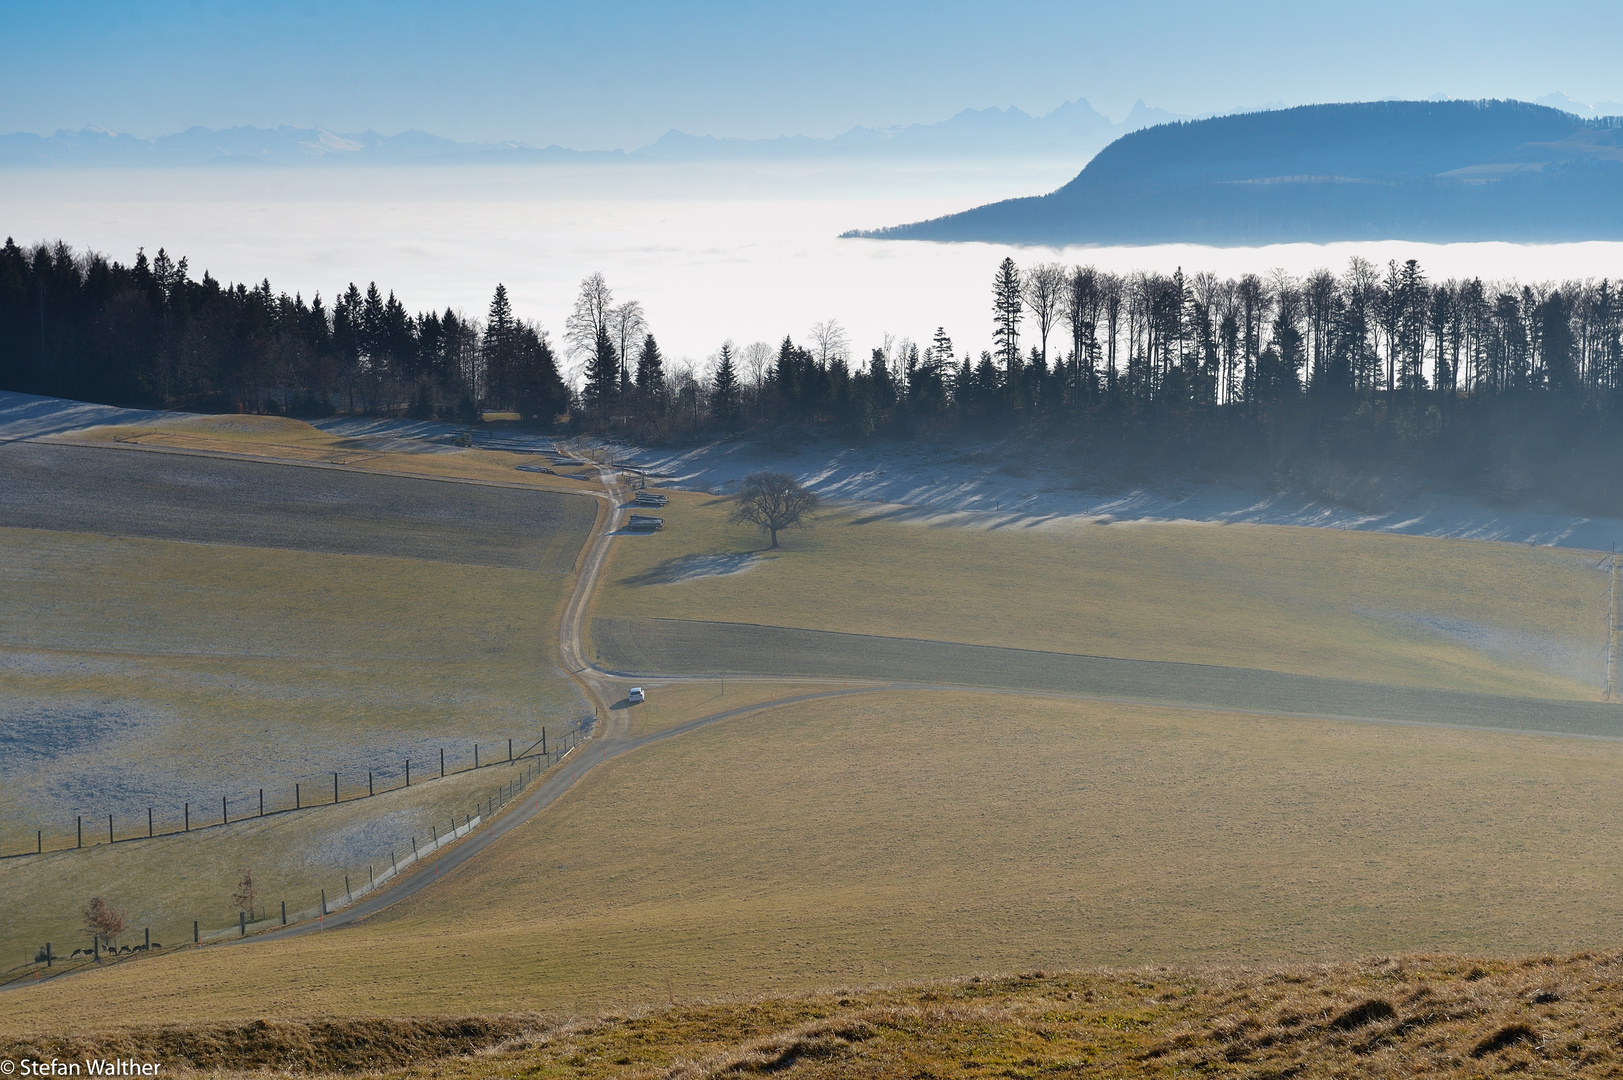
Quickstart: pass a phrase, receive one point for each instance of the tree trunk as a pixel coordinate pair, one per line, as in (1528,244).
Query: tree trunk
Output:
(774,533)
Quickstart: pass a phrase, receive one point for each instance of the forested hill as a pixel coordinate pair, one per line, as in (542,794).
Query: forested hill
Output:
(1407,170)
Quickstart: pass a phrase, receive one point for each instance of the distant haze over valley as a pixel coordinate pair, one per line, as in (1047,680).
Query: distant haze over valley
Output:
(1073,130)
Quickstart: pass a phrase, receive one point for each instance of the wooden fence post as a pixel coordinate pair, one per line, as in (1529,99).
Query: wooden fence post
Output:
(109,828)
(196,939)
(242,924)
(335,789)
(81,842)
(297,798)
(284,912)
(261,802)
(369,784)
(188,812)
(149,822)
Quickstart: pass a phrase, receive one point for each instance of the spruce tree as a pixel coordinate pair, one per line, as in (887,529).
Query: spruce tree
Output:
(650,368)
(724,392)
(1006,307)
(602,371)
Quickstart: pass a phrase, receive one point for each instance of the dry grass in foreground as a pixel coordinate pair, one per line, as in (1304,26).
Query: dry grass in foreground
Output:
(1431,1015)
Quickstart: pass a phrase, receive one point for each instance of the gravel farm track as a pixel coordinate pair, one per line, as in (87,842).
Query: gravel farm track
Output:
(74,487)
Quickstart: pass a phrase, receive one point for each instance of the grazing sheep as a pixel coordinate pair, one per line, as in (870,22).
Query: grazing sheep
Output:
(79,952)
(155,945)
(125,949)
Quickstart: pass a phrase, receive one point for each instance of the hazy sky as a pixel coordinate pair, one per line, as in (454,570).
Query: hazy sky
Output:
(620,72)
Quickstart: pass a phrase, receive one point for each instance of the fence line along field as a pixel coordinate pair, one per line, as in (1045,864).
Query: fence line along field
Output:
(1410,611)
(896,835)
(185,629)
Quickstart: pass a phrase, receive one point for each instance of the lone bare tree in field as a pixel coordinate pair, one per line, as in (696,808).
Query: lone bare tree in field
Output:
(246,895)
(774,501)
(102,921)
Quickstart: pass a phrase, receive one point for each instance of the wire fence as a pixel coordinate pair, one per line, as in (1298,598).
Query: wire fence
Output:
(531,765)
(203,816)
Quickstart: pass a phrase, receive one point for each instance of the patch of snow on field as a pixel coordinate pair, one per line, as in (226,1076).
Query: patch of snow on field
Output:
(1585,663)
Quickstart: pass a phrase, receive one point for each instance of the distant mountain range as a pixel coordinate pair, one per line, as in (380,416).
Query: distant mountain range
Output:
(1074,130)
(1436,171)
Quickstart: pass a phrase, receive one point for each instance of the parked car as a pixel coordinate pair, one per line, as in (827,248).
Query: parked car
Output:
(635,696)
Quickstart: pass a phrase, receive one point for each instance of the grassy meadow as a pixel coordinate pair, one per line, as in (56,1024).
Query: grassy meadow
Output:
(896,836)
(1409,610)
(166,883)
(285,439)
(137,673)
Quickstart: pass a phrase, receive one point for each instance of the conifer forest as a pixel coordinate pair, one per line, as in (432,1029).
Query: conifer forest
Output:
(1503,386)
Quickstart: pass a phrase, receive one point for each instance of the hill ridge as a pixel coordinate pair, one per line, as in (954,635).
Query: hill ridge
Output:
(1421,171)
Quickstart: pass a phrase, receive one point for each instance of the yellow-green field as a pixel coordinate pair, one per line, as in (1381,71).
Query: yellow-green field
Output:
(139,673)
(257,642)
(163,885)
(908,835)
(891,838)
(1395,609)
(283,439)
(672,703)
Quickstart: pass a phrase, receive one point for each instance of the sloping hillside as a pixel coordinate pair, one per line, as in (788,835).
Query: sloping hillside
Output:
(1424,171)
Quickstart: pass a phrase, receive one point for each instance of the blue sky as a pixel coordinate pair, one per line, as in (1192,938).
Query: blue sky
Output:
(621,72)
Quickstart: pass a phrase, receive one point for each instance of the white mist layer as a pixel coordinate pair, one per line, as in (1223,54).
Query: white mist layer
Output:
(713,251)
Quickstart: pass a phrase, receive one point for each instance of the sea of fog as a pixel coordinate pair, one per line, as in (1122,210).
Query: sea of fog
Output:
(746,251)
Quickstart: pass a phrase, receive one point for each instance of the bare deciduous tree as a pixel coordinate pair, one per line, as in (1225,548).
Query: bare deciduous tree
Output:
(756,359)
(246,895)
(627,326)
(102,921)
(829,342)
(1043,291)
(591,314)
(773,500)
